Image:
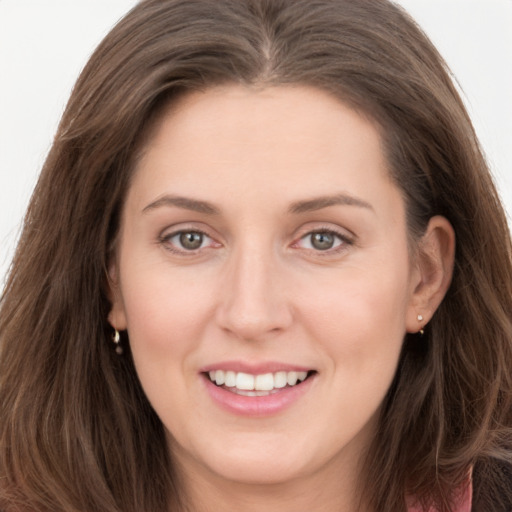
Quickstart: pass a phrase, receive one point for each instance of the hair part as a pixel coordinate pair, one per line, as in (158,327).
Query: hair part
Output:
(77,432)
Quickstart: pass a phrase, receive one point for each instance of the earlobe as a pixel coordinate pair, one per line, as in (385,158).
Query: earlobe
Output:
(116,316)
(435,260)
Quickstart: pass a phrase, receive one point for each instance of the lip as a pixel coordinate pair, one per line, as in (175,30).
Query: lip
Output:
(255,368)
(256,406)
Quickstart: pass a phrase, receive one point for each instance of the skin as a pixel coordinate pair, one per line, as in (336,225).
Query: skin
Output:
(258,290)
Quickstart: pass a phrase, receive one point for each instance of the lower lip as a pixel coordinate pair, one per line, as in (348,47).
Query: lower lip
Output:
(257,405)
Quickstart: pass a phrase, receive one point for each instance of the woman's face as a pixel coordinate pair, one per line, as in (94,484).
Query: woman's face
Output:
(263,241)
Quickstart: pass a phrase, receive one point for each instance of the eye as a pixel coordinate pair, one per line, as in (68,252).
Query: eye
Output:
(187,241)
(323,240)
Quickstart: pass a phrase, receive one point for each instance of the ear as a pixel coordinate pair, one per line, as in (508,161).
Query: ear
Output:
(433,272)
(116,315)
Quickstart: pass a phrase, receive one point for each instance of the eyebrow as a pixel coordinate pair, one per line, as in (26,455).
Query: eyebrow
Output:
(183,202)
(297,207)
(317,203)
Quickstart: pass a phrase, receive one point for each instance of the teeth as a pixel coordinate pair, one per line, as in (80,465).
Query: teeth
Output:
(291,378)
(244,381)
(220,377)
(230,381)
(280,379)
(263,382)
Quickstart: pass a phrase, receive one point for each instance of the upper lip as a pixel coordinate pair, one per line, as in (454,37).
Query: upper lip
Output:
(255,368)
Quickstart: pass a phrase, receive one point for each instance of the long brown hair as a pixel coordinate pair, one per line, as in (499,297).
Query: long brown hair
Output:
(76,431)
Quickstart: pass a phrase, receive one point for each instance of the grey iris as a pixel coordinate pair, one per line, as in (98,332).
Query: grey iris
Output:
(191,240)
(322,241)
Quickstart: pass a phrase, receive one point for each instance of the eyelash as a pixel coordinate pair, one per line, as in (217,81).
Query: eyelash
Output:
(343,241)
(166,241)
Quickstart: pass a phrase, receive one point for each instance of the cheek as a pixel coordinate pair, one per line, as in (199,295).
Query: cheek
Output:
(166,318)
(359,318)
(359,298)
(165,311)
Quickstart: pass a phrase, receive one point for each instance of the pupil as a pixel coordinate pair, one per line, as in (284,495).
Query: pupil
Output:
(191,240)
(322,241)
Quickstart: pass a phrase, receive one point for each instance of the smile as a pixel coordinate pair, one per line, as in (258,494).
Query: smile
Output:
(264,384)
(257,389)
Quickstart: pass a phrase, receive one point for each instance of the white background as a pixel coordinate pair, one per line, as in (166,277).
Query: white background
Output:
(45,43)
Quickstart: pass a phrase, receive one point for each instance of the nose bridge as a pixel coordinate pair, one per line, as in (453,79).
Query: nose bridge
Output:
(253,300)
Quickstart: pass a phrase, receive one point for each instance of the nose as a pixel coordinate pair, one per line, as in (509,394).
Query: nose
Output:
(254,302)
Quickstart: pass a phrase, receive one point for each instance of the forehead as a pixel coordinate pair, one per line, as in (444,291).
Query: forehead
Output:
(263,130)
(251,106)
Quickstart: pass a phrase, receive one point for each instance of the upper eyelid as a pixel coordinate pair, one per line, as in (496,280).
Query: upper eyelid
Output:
(343,238)
(166,233)
(343,233)
(185,227)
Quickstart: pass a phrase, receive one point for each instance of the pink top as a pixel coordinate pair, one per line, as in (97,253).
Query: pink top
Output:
(464,504)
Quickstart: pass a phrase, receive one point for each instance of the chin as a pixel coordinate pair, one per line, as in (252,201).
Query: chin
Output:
(258,471)
(251,459)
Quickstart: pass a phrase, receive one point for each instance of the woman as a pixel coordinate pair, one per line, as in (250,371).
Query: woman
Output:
(264,268)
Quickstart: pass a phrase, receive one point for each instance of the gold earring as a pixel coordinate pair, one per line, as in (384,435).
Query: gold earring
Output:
(116,338)
(420,319)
